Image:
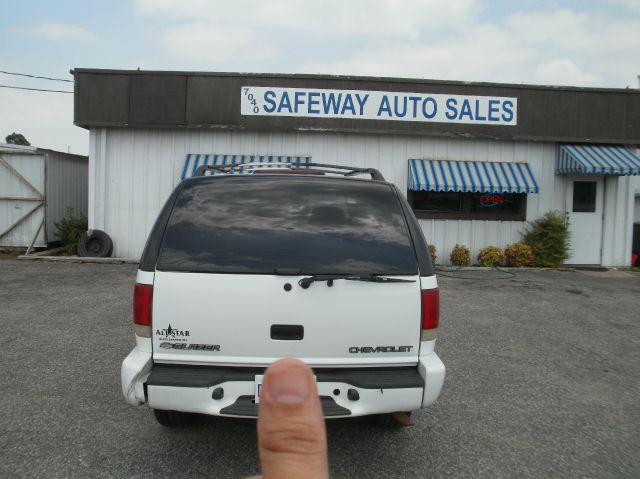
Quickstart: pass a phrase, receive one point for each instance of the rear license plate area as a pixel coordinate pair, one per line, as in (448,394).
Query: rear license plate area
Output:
(258,387)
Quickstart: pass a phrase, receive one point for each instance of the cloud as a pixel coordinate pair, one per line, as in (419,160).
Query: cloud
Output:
(630,4)
(559,47)
(354,18)
(563,71)
(214,45)
(577,32)
(412,38)
(60,32)
(455,59)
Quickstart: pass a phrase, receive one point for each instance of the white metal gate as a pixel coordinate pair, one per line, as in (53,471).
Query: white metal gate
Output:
(22,199)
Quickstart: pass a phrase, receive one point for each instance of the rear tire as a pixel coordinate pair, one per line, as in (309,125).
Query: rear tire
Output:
(172,418)
(387,421)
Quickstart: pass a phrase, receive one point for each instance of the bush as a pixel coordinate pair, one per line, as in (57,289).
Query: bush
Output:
(432,252)
(460,256)
(69,229)
(518,254)
(491,256)
(548,238)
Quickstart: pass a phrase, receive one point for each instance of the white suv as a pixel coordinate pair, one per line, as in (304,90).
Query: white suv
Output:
(242,268)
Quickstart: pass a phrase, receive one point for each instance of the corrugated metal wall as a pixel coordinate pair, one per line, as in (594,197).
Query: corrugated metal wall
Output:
(635,188)
(132,172)
(617,231)
(31,167)
(67,187)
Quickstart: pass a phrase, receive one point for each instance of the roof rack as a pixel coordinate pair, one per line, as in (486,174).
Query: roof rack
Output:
(321,167)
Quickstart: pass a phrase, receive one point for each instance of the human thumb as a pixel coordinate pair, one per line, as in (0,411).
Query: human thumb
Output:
(291,431)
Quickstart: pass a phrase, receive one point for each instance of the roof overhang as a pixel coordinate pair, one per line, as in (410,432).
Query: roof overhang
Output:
(151,99)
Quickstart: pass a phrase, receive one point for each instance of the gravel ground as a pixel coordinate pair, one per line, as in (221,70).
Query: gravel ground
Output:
(543,376)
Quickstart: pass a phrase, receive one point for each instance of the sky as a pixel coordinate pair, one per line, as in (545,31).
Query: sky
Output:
(591,43)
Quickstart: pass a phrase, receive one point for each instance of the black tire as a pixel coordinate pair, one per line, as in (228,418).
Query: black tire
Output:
(95,244)
(387,421)
(172,418)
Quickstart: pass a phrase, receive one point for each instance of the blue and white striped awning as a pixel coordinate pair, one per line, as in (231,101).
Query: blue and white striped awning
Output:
(193,161)
(597,160)
(471,176)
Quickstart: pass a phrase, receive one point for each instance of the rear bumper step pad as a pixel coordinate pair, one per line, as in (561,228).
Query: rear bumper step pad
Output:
(208,376)
(246,406)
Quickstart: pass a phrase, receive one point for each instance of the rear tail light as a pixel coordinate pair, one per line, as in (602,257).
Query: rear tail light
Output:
(142,302)
(430,313)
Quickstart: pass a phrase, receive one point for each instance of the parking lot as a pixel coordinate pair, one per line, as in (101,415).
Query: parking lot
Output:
(543,381)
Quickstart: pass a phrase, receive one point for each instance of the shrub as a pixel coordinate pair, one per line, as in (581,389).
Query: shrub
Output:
(548,238)
(460,256)
(518,254)
(491,256)
(432,252)
(69,229)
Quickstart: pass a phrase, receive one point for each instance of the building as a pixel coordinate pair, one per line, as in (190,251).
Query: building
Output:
(635,245)
(477,160)
(37,188)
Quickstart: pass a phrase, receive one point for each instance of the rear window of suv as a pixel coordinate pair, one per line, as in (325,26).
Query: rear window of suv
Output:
(287,225)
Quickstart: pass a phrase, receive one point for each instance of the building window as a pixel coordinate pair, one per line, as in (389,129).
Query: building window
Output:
(469,206)
(584,196)
(437,201)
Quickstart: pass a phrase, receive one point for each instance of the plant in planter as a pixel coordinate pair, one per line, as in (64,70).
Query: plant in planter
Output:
(548,238)
(432,252)
(518,255)
(460,256)
(491,256)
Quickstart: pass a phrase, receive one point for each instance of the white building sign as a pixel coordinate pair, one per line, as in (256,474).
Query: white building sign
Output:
(378,105)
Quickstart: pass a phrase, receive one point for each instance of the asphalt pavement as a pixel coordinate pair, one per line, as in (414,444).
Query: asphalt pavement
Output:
(543,380)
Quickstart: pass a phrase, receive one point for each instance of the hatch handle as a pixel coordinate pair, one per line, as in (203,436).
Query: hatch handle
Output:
(287,332)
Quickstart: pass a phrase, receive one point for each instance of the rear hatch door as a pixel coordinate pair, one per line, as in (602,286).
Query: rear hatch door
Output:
(252,269)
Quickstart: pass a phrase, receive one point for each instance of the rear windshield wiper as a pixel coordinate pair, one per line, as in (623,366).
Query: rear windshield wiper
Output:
(373,278)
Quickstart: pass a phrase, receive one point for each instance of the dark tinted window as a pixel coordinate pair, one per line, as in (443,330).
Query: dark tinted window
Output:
(455,205)
(584,196)
(315,225)
(437,201)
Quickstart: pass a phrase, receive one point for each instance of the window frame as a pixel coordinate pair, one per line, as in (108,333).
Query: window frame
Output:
(466,213)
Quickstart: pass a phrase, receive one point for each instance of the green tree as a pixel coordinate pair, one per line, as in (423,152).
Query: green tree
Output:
(17,139)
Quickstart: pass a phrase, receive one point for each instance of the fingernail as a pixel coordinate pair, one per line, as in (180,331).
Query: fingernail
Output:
(288,386)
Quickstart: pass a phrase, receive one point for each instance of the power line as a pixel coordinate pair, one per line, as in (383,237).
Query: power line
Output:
(34,89)
(35,76)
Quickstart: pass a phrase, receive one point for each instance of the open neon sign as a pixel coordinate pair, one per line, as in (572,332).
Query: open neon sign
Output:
(491,199)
